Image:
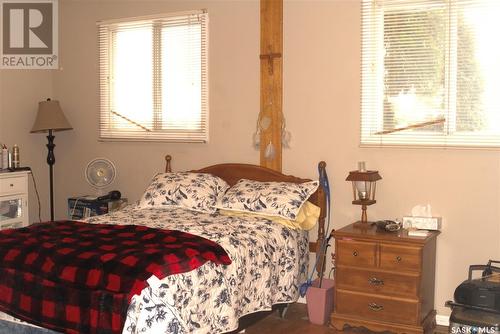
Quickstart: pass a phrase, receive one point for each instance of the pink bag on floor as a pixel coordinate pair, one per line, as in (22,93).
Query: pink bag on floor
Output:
(320,301)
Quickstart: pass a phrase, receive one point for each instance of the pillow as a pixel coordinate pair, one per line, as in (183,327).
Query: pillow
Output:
(282,199)
(306,218)
(195,191)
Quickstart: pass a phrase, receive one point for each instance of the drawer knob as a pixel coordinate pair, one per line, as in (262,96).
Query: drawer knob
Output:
(12,184)
(375,281)
(398,258)
(375,307)
(355,253)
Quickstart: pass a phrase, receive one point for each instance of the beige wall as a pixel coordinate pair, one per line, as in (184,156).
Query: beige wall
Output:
(234,94)
(20,91)
(322,90)
(321,104)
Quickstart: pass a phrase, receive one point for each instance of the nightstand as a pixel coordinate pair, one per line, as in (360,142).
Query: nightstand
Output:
(384,280)
(14,199)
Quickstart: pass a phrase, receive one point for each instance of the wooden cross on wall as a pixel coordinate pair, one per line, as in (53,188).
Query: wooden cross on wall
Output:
(270,59)
(271,80)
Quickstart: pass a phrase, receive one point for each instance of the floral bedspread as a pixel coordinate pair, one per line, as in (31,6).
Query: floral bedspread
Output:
(269,262)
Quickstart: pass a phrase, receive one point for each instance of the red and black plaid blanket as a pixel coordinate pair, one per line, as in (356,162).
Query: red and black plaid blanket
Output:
(75,277)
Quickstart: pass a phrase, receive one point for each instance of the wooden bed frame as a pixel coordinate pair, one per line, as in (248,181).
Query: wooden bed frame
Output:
(232,172)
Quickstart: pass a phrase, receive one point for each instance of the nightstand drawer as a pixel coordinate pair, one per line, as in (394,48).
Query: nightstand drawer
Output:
(396,257)
(13,185)
(377,308)
(371,281)
(357,253)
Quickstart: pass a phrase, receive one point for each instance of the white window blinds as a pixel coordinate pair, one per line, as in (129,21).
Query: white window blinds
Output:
(154,78)
(430,73)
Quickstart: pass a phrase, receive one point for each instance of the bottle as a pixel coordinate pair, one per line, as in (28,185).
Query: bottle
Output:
(361,185)
(16,161)
(5,157)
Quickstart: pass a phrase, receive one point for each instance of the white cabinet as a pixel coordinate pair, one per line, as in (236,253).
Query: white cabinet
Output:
(14,199)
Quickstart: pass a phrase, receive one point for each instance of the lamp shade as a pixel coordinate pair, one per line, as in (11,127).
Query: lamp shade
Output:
(50,117)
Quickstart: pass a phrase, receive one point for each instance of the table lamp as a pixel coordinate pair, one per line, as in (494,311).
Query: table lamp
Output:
(363,188)
(50,118)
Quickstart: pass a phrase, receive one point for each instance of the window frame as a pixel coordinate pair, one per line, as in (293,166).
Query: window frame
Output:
(372,78)
(158,131)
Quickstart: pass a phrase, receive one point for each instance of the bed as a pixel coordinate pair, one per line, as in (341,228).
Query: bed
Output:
(269,262)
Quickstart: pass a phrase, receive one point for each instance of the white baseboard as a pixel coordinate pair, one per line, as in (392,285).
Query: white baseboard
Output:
(443,320)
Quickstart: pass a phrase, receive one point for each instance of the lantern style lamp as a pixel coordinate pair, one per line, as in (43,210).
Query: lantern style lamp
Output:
(363,188)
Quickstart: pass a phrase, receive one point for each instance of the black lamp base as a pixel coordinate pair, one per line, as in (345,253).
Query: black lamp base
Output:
(51,160)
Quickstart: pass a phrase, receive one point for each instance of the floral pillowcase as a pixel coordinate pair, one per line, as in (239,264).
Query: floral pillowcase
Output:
(195,191)
(281,199)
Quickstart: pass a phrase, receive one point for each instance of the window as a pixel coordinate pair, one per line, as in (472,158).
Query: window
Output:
(430,73)
(153,78)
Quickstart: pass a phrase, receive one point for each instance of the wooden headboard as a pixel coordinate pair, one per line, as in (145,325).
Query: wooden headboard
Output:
(232,172)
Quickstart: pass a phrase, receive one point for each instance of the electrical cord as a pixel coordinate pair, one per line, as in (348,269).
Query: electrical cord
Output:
(330,272)
(37,196)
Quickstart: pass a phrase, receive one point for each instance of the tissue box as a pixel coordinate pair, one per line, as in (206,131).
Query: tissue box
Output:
(422,223)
